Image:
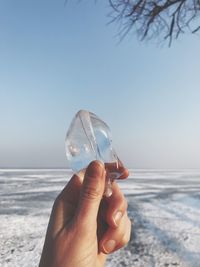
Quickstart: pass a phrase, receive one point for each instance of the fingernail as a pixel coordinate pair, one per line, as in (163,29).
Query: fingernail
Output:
(117,217)
(109,246)
(95,169)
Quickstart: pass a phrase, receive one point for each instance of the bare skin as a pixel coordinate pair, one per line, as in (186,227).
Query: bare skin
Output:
(84,226)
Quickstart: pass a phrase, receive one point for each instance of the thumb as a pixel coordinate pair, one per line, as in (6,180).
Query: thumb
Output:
(91,192)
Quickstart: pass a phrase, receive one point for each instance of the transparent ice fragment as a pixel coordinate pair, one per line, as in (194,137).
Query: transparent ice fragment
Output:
(88,139)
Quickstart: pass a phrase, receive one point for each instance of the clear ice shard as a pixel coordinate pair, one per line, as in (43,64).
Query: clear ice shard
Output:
(88,139)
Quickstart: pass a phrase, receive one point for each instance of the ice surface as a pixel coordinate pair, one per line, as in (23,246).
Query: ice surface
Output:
(163,205)
(88,139)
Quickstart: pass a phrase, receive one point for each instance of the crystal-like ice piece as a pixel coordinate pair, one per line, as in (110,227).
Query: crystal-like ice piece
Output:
(88,139)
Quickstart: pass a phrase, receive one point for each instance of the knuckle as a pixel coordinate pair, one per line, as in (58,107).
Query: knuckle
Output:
(129,224)
(125,239)
(114,204)
(123,204)
(91,191)
(119,203)
(127,235)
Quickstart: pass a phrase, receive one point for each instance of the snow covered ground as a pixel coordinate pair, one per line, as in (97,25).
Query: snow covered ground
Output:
(163,204)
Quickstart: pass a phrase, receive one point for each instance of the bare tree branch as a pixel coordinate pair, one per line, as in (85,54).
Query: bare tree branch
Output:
(152,18)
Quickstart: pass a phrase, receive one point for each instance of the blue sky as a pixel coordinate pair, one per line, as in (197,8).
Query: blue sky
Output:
(56,59)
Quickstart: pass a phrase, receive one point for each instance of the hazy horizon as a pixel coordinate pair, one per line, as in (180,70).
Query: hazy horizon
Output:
(56,60)
(68,169)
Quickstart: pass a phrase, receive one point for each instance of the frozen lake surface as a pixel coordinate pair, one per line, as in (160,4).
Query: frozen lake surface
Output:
(164,204)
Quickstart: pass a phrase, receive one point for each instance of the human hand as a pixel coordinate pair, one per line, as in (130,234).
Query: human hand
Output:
(83,226)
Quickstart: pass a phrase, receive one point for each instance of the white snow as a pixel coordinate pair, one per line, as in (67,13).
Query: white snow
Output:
(164,205)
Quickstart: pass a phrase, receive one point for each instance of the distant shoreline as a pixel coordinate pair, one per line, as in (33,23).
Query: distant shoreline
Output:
(130,169)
